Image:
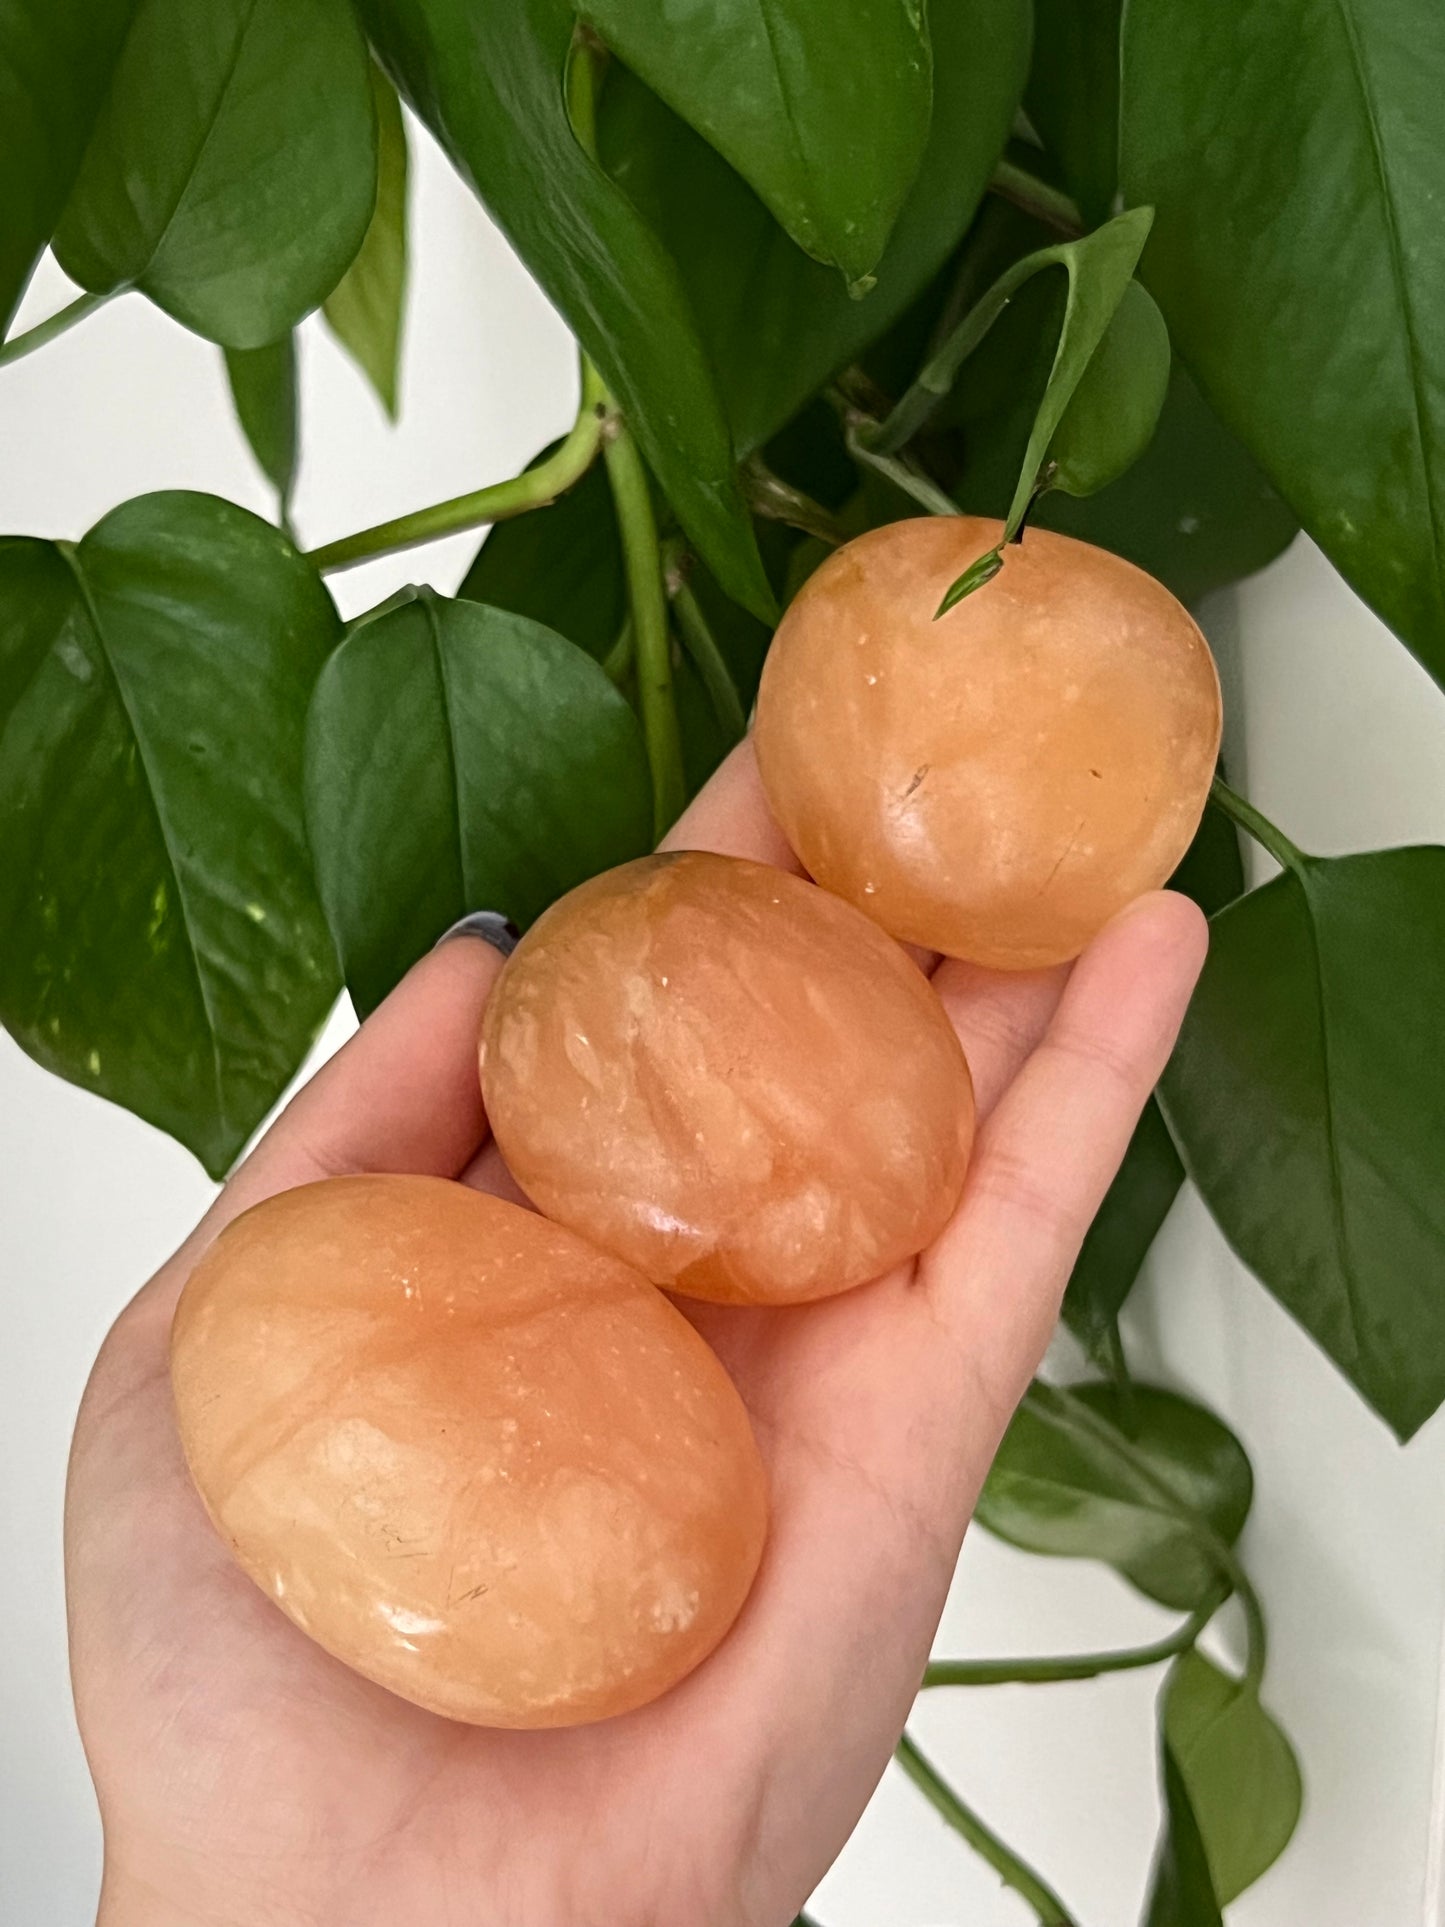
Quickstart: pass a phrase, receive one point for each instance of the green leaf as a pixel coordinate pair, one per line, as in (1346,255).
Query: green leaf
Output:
(56,58)
(1307,1097)
(488,80)
(364,309)
(1073,97)
(1054,1489)
(264,390)
(776,323)
(1292,153)
(1182,1894)
(1111,417)
(164,945)
(1195,510)
(823,110)
(462,758)
(1240,1771)
(1126,1224)
(232,171)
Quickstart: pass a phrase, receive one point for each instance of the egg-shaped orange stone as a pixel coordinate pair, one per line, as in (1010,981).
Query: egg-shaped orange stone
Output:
(998,783)
(486,1465)
(729,1078)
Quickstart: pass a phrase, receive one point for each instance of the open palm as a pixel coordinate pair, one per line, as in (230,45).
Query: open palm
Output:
(247,1777)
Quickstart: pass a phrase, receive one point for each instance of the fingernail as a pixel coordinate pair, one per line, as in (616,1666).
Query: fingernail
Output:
(490,925)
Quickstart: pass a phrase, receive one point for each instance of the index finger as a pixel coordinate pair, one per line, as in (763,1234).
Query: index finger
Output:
(401,1095)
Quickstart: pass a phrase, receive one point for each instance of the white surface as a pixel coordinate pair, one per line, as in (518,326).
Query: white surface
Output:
(1344,741)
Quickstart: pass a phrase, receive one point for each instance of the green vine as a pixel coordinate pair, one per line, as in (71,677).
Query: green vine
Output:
(1011,1870)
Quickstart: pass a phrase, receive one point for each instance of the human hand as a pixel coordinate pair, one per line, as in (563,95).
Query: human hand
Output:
(247,1779)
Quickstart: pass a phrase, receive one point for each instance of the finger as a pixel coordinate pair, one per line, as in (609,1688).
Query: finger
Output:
(730,815)
(403,1094)
(999,1016)
(1051,1147)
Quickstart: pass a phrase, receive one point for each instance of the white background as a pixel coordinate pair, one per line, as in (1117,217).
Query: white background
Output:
(1342,739)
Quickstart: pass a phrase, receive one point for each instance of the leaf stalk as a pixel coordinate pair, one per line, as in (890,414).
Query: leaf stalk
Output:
(1048,1671)
(534,488)
(1013,1872)
(18,346)
(1268,835)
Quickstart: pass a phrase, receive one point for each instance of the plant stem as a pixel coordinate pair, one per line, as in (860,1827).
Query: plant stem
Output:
(18,346)
(701,644)
(903,474)
(1047,204)
(1044,1672)
(642,556)
(618,660)
(1074,1415)
(534,488)
(940,371)
(1012,1871)
(770,496)
(636,522)
(1265,833)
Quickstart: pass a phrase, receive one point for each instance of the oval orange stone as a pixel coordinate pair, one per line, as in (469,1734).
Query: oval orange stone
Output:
(486,1465)
(729,1078)
(996,784)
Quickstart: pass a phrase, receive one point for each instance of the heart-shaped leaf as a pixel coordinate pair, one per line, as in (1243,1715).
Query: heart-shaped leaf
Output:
(1240,1771)
(164,945)
(461,758)
(776,323)
(56,58)
(488,80)
(232,171)
(823,110)
(1307,1097)
(1054,1488)
(364,309)
(264,389)
(1110,418)
(1182,1893)
(1292,153)
(1195,510)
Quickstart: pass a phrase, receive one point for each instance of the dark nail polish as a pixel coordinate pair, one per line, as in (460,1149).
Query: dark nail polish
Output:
(491,926)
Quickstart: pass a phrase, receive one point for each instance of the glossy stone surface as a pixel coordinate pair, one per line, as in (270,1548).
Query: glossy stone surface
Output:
(729,1078)
(484,1464)
(997,784)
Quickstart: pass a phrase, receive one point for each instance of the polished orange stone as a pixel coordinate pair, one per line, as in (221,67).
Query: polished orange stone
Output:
(486,1465)
(997,784)
(729,1078)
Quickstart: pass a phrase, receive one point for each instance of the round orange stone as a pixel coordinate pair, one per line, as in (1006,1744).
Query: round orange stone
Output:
(998,783)
(489,1467)
(729,1078)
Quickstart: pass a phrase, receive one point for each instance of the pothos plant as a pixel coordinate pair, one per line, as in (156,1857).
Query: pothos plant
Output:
(1170,282)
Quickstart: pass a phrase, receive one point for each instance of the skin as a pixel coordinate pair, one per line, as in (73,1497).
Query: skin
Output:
(246,1779)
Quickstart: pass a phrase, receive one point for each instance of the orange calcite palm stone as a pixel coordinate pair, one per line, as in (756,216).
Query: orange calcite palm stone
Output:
(996,784)
(486,1465)
(729,1078)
